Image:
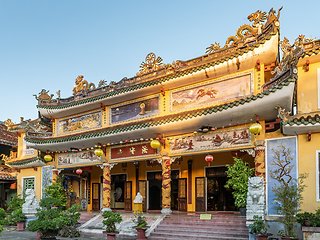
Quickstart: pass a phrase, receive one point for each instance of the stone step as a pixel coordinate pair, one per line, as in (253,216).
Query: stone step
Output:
(203,231)
(164,235)
(207,223)
(182,228)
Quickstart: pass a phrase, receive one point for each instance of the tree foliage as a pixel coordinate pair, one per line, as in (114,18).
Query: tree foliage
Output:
(111,218)
(238,175)
(288,190)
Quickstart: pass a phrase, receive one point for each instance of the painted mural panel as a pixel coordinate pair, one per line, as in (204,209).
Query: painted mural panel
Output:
(46,178)
(134,110)
(274,144)
(239,137)
(79,158)
(219,91)
(80,123)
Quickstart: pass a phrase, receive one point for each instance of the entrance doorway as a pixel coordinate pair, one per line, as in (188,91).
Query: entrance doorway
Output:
(155,190)
(219,198)
(118,190)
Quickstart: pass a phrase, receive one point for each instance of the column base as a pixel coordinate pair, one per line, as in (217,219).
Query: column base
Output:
(106,209)
(166,211)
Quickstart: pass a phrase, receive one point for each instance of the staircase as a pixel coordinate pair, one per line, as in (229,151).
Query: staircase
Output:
(183,226)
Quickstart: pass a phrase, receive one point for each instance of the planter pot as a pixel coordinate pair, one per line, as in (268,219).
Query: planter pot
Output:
(52,238)
(243,211)
(39,235)
(111,236)
(20,226)
(141,233)
(289,238)
(263,236)
(310,233)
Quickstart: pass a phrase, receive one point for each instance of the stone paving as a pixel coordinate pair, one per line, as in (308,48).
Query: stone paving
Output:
(26,235)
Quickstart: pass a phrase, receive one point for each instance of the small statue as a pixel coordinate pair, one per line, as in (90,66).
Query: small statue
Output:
(31,202)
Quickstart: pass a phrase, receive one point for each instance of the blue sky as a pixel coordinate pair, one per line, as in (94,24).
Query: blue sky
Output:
(46,44)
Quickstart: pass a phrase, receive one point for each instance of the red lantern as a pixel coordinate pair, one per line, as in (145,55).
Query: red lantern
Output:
(79,171)
(209,158)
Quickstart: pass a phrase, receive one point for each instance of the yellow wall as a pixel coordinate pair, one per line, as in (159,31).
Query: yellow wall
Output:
(307,89)
(307,164)
(20,149)
(30,172)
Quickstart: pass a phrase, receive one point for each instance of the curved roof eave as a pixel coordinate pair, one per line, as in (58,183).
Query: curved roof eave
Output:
(264,107)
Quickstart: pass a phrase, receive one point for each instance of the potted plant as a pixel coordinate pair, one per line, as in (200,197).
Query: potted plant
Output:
(19,218)
(48,221)
(310,223)
(238,175)
(140,226)
(259,228)
(287,191)
(111,218)
(69,220)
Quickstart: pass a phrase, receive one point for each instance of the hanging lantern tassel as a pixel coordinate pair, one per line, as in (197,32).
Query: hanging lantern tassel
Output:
(209,158)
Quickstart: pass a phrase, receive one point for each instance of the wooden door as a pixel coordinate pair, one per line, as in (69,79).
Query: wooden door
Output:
(182,194)
(143,192)
(200,194)
(128,196)
(95,196)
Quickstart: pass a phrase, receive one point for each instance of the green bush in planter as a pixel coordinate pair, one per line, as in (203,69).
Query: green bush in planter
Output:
(238,175)
(140,221)
(309,219)
(258,227)
(111,218)
(17,216)
(69,219)
(48,221)
(16,202)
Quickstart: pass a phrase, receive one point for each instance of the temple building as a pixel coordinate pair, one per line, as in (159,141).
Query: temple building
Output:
(8,180)
(169,131)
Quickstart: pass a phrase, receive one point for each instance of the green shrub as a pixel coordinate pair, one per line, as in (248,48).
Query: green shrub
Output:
(17,216)
(140,221)
(111,218)
(68,222)
(55,190)
(238,175)
(309,219)
(16,202)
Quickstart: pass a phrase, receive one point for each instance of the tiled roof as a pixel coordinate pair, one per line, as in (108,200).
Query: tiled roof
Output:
(310,119)
(7,138)
(198,66)
(25,161)
(7,176)
(160,120)
(311,48)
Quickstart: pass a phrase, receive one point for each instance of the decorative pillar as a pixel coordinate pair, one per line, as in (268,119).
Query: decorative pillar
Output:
(106,193)
(260,169)
(166,183)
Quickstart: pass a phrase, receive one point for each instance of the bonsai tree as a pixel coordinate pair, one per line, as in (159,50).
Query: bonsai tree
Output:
(238,175)
(17,216)
(309,219)
(259,228)
(69,220)
(111,218)
(48,221)
(140,221)
(55,190)
(287,190)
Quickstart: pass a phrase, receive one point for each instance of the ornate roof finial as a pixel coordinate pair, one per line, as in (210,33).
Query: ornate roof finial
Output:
(82,85)
(43,95)
(8,122)
(151,64)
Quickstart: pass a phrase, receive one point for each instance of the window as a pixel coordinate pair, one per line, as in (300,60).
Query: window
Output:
(28,183)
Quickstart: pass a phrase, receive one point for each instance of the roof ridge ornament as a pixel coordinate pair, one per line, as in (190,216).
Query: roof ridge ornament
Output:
(82,86)
(246,31)
(151,64)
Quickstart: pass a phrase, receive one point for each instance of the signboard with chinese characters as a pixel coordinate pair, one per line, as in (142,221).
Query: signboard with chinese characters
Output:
(27,150)
(213,92)
(79,158)
(239,137)
(132,151)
